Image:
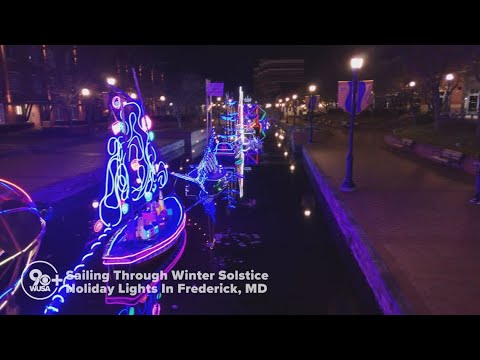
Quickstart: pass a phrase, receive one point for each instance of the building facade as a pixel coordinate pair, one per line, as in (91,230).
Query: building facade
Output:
(39,84)
(272,78)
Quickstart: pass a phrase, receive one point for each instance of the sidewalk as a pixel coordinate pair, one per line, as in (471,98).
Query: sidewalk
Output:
(408,219)
(53,171)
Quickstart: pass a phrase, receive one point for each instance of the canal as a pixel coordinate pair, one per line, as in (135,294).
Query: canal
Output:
(278,228)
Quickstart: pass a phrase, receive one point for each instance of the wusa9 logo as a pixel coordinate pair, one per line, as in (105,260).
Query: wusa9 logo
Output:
(40,280)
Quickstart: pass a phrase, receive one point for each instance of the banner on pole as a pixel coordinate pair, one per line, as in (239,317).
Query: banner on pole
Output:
(364,95)
(215,89)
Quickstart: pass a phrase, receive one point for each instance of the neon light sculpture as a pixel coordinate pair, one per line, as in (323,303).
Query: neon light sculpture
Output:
(135,222)
(21,231)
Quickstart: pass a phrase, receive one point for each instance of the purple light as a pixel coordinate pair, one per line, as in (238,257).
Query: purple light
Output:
(116,102)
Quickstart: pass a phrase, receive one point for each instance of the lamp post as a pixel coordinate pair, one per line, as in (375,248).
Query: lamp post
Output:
(286,109)
(294,98)
(348,184)
(411,86)
(111,81)
(449,79)
(311,107)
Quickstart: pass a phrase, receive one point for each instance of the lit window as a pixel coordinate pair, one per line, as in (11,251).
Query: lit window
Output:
(18,110)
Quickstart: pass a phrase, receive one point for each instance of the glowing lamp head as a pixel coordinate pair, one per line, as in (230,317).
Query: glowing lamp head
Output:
(171,104)
(285,153)
(162,98)
(280,100)
(85,92)
(449,77)
(294,97)
(111,81)
(312,88)
(287,99)
(292,167)
(356,63)
(219,98)
(95,204)
(307,213)
(277,105)
(279,145)
(133,95)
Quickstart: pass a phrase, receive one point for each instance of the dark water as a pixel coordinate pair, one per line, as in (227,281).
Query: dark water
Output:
(307,273)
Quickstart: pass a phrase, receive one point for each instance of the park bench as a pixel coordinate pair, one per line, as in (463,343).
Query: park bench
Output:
(449,157)
(404,144)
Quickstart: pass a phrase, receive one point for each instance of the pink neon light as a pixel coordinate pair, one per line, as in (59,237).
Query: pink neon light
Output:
(18,188)
(147,252)
(98,226)
(116,128)
(116,102)
(135,165)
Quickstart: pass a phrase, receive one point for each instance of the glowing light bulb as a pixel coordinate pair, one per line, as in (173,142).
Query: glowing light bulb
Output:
(276,134)
(133,95)
(279,144)
(285,153)
(307,213)
(95,204)
(292,167)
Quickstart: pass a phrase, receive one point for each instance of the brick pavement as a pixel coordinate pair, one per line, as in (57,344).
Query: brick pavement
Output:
(415,216)
(51,173)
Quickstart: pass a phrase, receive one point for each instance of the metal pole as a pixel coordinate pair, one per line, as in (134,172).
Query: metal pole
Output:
(348,184)
(310,113)
(211,116)
(207,82)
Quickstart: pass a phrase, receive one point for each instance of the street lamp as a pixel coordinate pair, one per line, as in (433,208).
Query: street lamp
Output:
(111,81)
(294,98)
(348,184)
(449,78)
(162,98)
(219,98)
(133,95)
(311,107)
(85,92)
(411,100)
(285,112)
(171,104)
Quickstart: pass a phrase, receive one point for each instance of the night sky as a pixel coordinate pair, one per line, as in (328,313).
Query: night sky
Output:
(233,64)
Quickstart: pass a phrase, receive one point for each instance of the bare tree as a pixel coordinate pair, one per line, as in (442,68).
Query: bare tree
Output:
(188,92)
(429,64)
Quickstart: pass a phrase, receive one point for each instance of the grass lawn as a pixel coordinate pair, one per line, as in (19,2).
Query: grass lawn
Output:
(455,136)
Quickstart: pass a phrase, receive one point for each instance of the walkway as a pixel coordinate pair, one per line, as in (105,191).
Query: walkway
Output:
(416,218)
(58,168)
